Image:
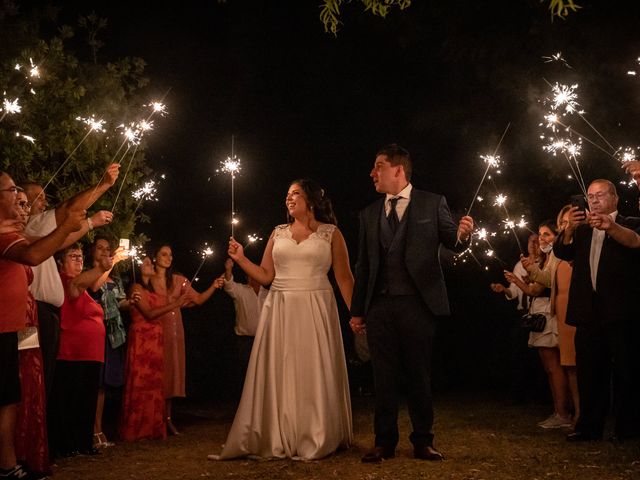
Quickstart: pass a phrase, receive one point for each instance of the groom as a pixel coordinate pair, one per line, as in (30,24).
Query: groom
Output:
(398,294)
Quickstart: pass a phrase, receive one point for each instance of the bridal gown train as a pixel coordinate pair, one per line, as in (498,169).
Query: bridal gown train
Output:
(295,402)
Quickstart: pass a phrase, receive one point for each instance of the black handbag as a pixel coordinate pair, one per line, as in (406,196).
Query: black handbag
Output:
(533,322)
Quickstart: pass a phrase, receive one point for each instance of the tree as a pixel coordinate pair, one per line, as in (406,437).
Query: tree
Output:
(36,141)
(330,9)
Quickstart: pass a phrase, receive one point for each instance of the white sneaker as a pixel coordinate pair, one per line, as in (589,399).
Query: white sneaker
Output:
(556,421)
(548,419)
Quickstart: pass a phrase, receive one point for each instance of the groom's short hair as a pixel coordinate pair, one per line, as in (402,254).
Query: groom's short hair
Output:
(398,156)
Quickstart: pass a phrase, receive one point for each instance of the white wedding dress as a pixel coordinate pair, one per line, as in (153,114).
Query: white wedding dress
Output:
(295,402)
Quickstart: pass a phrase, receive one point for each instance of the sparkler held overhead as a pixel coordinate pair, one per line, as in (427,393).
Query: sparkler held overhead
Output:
(231,166)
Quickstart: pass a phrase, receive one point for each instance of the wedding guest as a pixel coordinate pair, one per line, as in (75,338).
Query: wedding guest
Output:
(15,252)
(248,299)
(143,402)
(170,286)
(295,401)
(546,342)
(80,356)
(32,443)
(47,286)
(603,306)
(109,293)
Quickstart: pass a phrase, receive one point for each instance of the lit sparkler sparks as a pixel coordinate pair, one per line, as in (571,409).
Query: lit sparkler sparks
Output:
(565,98)
(9,107)
(28,138)
(627,154)
(556,57)
(146,192)
(231,166)
(205,253)
(158,107)
(500,200)
(94,125)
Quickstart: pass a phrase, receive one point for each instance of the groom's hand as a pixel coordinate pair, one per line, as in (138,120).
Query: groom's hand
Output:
(357,325)
(465,227)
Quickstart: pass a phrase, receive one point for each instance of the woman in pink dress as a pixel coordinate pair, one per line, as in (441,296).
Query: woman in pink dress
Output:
(143,404)
(170,287)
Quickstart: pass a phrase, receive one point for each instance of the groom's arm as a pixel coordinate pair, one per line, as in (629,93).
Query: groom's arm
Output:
(361,271)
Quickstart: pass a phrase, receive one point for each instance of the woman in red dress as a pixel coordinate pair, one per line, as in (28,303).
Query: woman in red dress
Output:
(143,405)
(171,286)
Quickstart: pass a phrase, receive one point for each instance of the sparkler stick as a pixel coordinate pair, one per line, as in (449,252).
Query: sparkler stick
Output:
(491,161)
(205,253)
(231,166)
(133,134)
(97,125)
(483,234)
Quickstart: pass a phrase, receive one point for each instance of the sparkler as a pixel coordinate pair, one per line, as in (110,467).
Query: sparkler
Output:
(205,253)
(147,192)
(251,239)
(231,166)
(134,255)
(491,161)
(28,138)
(10,107)
(556,57)
(94,124)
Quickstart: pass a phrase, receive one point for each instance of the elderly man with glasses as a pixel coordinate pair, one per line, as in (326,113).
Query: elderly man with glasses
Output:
(603,306)
(16,252)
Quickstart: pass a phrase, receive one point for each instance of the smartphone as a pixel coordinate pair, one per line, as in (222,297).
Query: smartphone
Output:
(124,243)
(580,202)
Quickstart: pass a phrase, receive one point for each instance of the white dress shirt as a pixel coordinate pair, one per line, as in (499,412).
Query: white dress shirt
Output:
(596,249)
(248,305)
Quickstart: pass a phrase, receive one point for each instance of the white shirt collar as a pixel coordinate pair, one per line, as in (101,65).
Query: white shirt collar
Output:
(404,193)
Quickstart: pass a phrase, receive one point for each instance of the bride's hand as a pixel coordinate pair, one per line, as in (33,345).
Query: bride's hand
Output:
(236,252)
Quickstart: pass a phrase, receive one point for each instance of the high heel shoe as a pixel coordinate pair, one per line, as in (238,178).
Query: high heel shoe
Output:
(171,428)
(100,441)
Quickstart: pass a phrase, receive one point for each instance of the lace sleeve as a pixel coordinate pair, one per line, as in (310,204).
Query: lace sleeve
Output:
(325,231)
(281,231)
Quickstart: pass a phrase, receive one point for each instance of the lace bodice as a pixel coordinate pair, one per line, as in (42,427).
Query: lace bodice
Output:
(304,265)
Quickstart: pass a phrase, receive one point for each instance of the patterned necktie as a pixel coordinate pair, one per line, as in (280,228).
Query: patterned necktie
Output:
(392,218)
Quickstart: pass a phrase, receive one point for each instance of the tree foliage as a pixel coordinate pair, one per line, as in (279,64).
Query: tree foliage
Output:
(330,9)
(69,87)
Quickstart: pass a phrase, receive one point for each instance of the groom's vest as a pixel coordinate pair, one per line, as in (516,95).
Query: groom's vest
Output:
(393,276)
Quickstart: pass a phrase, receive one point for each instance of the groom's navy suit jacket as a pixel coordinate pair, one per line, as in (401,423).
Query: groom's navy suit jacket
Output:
(429,224)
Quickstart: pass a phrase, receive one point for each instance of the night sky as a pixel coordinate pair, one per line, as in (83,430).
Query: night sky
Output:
(441,78)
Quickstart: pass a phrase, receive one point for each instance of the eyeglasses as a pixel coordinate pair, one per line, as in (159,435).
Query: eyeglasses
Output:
(13,190)
(24,205)
(75,256)
(598,195)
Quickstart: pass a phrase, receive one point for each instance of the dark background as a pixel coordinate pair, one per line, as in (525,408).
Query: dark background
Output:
(442,79)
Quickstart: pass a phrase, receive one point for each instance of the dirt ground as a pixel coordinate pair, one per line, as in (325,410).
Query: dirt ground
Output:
(481,438)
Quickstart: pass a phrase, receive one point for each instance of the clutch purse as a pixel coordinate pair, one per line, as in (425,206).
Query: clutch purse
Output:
(533,322)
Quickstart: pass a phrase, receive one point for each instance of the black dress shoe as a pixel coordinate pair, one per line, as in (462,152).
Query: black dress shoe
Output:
(378,454)
(582,437)
(427,452)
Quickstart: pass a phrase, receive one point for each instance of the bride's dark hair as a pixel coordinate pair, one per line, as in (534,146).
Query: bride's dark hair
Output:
(318,202)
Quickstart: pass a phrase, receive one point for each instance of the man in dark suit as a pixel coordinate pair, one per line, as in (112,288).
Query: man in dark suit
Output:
(400,291)
(602,305)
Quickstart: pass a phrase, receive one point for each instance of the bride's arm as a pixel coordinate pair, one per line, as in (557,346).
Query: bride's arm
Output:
(263,273)
(341,267)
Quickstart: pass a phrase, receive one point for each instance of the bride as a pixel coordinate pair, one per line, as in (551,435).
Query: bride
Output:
(295,402)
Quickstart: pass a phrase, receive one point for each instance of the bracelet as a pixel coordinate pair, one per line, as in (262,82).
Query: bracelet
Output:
(90,223)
